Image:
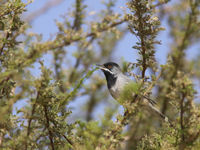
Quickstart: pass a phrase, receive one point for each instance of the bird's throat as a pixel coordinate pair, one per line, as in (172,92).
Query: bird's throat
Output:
(111,80)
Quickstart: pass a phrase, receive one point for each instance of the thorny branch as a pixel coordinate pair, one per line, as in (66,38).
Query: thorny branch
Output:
(78,16)
(57,66)
(4,43)
(48,127)
(78,60)
(69,41)
(181,48)
(65,137)
(181,116)
(30,120)
(30,58)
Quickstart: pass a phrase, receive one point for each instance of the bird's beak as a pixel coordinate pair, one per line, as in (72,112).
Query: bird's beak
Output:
(102,67)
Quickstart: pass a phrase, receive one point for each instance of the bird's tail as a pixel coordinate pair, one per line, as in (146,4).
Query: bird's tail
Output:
(164,117)
(150,100)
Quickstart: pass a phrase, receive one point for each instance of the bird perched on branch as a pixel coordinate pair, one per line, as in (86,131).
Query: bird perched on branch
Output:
(117,83)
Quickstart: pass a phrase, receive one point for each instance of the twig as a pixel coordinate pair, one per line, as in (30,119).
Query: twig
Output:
(144,67)
(78,17)
(67,139)
(30,120)
(48,127)
(53,45)
(181,117)
(4,43)
(57,66)
(78,60)
(181,48)
(91,34)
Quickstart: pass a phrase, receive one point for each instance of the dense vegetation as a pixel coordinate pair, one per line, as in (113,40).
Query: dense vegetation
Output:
(46,121)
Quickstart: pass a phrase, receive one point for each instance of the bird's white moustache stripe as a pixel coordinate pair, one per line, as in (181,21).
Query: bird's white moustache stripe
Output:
(106,70)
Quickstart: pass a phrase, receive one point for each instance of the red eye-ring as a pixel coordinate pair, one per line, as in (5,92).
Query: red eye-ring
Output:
(109,67)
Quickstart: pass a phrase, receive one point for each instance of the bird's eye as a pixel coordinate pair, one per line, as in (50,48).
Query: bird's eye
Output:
(109,67)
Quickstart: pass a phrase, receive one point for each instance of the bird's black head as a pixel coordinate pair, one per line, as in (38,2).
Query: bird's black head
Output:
(111,66)
(111,71)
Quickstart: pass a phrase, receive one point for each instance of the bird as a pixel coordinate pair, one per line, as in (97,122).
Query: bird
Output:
(117,82)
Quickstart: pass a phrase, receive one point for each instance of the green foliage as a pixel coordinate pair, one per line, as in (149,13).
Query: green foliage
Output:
(44,118)
(129,89)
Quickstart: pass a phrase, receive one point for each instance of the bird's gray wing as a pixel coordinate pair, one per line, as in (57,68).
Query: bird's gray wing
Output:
(126,79)
(150,100)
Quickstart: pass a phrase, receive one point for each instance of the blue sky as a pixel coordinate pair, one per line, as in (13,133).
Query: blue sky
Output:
(45,25)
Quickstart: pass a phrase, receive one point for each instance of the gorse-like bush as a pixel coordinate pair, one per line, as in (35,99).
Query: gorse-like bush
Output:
(46,122)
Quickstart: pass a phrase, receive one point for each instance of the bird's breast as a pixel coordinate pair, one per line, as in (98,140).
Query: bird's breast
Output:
(117,88)
(115,92)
